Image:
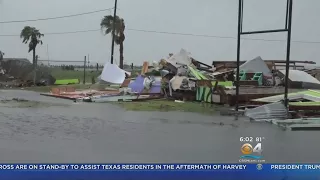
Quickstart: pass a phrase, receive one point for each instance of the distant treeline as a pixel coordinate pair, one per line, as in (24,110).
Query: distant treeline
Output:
(73,67)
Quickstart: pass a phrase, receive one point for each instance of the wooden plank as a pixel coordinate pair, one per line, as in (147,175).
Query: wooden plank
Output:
(305,127)
(145,67)
(297,121)
(58,96)
(204,83)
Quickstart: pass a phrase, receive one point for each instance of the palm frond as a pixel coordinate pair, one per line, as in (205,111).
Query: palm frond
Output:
(25,31)
(108,30)
(31,35)
(108,23)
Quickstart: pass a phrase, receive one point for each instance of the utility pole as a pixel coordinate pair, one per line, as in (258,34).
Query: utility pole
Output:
(48,55)
(35,71)
(88,62)
(84,70)
(113,30)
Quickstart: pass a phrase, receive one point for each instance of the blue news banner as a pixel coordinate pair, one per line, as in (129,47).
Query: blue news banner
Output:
(158,171)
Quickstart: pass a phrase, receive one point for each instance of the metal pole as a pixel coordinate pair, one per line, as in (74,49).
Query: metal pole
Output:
(288,54)
(88,62)
(265,31)
(241,19)
(287,14)
(113,30)
(84,70)
(238,55)
(48,54)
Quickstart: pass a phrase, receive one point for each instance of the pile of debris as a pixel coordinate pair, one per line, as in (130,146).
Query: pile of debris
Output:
(181,77)
(177,77)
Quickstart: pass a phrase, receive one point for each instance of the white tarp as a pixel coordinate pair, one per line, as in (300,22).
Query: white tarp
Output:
(176,82)
(180,59)
(113,74)
(300,76)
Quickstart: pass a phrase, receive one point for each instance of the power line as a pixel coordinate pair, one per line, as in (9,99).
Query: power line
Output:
(171,33)
(221,37)
(59,17)
(139,30)
(54,33)
(72,32)
(182,34)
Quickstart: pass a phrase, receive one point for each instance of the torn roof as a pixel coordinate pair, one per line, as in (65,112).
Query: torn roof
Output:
(300,76)
(273,61)
(311,95)
(277,64)
(255,65)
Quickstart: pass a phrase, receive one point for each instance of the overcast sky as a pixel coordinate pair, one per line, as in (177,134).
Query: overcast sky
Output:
(209,17)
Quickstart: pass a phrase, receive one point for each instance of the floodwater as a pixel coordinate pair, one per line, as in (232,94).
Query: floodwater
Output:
(69,132)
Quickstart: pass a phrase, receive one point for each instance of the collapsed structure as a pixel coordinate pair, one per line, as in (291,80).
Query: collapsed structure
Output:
(181,77)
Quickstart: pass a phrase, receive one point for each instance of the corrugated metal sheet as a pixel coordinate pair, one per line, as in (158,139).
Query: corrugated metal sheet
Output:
(267,112)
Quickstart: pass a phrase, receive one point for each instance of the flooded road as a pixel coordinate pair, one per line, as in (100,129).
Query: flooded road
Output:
(60,131)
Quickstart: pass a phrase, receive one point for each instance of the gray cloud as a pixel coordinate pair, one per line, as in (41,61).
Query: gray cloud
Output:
(212,17)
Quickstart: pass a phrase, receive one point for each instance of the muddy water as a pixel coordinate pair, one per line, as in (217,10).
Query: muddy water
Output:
(60,131)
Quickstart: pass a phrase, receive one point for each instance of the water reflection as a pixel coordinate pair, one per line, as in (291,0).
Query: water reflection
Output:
(73,133)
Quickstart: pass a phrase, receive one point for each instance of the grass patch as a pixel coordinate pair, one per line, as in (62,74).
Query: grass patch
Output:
(60,74)
(67,81)
(166,105)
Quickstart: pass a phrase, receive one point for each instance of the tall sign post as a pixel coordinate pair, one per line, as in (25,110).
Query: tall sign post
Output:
(287,28)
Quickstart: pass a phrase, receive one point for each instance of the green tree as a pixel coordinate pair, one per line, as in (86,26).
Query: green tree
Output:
(33,36)
(107,25)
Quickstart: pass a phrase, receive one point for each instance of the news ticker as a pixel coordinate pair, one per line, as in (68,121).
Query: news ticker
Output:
(155,167)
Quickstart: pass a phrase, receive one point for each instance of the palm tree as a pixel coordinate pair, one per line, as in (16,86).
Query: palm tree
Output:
(33,36)
(107,24)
